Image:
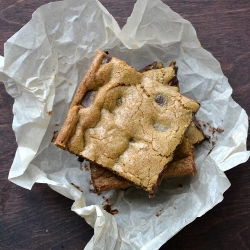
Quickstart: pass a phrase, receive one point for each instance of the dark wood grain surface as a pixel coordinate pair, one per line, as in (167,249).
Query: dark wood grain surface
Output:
(42,219)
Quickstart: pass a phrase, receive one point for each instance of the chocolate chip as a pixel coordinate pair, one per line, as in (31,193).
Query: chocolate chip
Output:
(89,98)
(80,159)
(132,140)
(119,101)
(160,127)
(174,82)
(160,99)
(106,59)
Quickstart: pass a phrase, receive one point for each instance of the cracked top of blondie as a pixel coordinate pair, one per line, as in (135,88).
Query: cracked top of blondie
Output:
(126,121)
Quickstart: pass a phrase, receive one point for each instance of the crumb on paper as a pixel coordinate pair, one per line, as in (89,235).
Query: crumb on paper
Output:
(210,132)
(55,134)
(213,146)
(77,187)
(106,200)
(80,159)
(84,164)
(160,212)
(81,167)
(109,209)
(91,190)
(86,167)
(211,129)
(220,130)
(107,206)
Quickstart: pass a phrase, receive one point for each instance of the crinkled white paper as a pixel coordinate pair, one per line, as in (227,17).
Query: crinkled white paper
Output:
(41,68)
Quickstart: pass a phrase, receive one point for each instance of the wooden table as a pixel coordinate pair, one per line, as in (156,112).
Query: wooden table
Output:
(42,219)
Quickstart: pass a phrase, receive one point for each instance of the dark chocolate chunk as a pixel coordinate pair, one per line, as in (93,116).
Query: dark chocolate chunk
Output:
(174,82)
(88,98)
(106,59)
(80,159)
(160,99)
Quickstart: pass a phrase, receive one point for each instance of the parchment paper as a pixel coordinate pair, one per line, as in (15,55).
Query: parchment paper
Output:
(42,66)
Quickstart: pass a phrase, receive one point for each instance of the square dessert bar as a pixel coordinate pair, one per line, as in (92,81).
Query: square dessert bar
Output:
(126,121)
(183,164)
